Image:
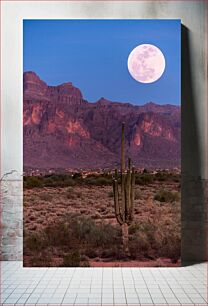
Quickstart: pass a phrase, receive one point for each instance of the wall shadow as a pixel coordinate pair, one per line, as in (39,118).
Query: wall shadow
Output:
(193,232)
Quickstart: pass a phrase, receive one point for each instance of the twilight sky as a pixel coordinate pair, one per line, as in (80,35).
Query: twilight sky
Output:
(93,54)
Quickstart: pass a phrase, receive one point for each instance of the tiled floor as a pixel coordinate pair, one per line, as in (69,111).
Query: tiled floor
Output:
(103,286)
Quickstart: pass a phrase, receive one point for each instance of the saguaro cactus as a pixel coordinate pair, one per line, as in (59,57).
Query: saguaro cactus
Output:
(124,199)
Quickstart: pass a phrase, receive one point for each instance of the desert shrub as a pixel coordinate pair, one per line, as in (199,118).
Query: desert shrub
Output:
(92,175)
(71,260)
(68,181)
(79,227)
(98,181)
(153,239)
(168,238)
(161,176)
(71,233)
(176,178)
(85,263)
(107,175)
(91,252)
(139,245)
(170,243)
(47,197)
(35,242)
(172,249)
(71,193)
(114,252)
(133,228)
(60,177)
(166,196)
(110,194)
(142,239)
(90,181)
(104,181)
(137,195)
(41,260)
(70,190)
(149,228)
(89,232)
(77,176)
(54,180)
(143,178)
(49,182)
(58,234)
(176,212)
(32,182)
(58,180)
(167,176)
(104,235)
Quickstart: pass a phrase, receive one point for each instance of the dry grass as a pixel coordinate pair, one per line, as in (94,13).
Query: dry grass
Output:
(155,232)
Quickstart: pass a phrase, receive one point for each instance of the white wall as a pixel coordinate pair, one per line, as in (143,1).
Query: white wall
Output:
(194,106)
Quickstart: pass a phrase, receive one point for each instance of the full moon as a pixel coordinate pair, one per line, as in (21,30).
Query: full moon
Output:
(146,63)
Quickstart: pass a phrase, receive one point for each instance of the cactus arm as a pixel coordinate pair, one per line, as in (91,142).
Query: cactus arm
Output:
(132,193)
(128,196)
(129,185)
(123,176)
(116,174)
(123,199)
(129,163)
(116,202)
(123,149)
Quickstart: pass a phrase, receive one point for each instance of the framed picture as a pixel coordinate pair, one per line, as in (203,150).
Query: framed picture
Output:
(102,142)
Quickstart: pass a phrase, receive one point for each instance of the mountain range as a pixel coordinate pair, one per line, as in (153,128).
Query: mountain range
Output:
(63,130)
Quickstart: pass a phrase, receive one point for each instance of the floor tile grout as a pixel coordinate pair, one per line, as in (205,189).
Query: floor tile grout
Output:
(103,286)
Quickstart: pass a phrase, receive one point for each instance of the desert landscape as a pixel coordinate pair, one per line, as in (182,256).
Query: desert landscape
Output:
(75,212)
(69,220)
(102,143)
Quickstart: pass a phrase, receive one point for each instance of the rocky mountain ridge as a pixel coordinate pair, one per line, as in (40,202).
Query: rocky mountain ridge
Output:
(63,130)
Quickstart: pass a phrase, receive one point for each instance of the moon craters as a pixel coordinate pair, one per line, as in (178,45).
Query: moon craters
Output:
(146,63)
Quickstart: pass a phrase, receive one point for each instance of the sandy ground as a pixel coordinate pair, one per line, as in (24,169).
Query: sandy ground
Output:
(45,206)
